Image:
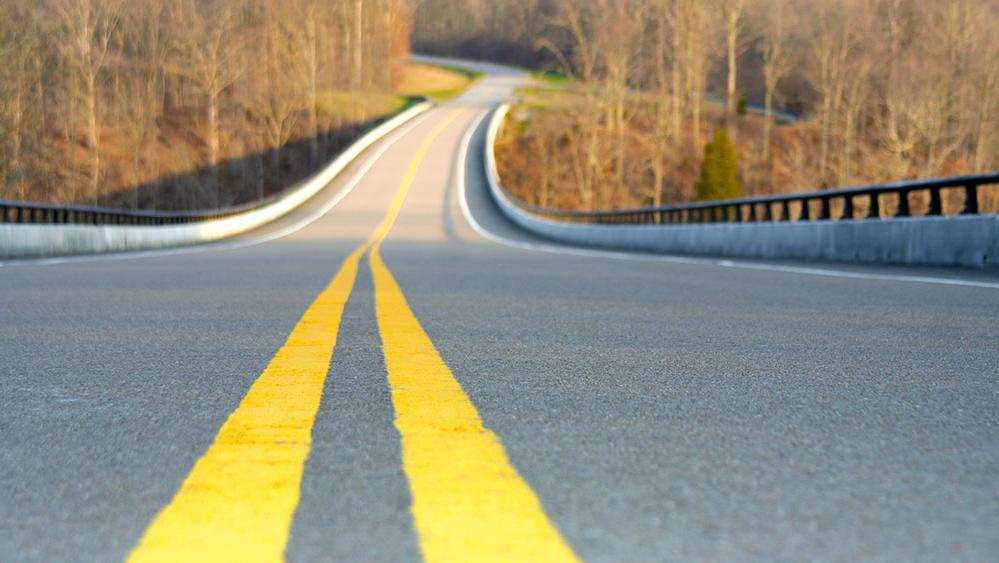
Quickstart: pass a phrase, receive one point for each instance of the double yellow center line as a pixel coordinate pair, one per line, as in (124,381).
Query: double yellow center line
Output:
(469,503)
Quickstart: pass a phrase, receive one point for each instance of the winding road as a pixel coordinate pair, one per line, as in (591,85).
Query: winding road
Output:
(396,372)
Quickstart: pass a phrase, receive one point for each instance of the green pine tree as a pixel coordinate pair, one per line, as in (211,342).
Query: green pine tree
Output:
(719,170)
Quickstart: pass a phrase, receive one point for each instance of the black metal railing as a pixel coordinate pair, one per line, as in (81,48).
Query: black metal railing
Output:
(44,213)
(792,207)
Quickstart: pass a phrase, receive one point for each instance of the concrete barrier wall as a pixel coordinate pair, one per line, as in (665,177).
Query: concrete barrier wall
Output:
(36,241)
(969,241)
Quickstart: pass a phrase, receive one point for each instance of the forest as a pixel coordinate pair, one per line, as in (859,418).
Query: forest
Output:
(877,90)
(193,104)
(187,104)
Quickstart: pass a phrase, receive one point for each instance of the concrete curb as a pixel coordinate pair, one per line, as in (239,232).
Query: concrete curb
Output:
(967,241)
(39,241)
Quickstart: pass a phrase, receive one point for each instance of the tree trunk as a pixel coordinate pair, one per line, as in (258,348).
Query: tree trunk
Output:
(768,117)
(732,38)
(15,140)
(985,120)
(358,54)
(313,101)
(213,130)
(676,105)
(213,146)
(93,134)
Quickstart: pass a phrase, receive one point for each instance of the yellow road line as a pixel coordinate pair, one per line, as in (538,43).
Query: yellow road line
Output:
(238,501)
(469,503)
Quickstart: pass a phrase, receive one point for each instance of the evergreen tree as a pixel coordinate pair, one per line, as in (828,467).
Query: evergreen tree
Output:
(719,170)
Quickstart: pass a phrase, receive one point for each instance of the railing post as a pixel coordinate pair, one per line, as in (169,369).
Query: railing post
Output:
(874,207)
(767,213)
(936,206)
(752,212)
(824,213)
(970,200)
(903,204)
(847,207)
(806,213)
(785,211)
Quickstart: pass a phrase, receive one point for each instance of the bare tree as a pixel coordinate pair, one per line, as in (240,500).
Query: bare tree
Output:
(696,35)
(306,33)
(357,47)
(732,12)
(278,99)
(89,26)
(831,40)
(985,84)
(208,53)
(775,33)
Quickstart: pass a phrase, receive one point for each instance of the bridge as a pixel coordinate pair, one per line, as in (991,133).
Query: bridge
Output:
(396,369)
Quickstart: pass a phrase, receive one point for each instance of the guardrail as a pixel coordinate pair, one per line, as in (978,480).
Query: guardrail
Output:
(41,213)
(779,208)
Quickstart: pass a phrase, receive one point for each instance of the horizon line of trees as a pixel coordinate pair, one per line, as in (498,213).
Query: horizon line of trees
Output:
(94,93)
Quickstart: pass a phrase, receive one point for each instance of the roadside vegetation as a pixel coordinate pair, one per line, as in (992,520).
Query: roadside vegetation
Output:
(886,90)
(436,82)
(189,104)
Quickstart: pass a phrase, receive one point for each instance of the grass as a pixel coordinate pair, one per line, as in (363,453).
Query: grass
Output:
(551,77)
(437,82)
(345,104)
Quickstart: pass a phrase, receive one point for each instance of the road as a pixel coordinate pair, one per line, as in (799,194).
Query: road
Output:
(468,397)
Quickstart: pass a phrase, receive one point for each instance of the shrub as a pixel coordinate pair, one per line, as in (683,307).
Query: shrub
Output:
(719,170)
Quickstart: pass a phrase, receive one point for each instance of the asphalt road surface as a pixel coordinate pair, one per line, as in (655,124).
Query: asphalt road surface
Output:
(489,395)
